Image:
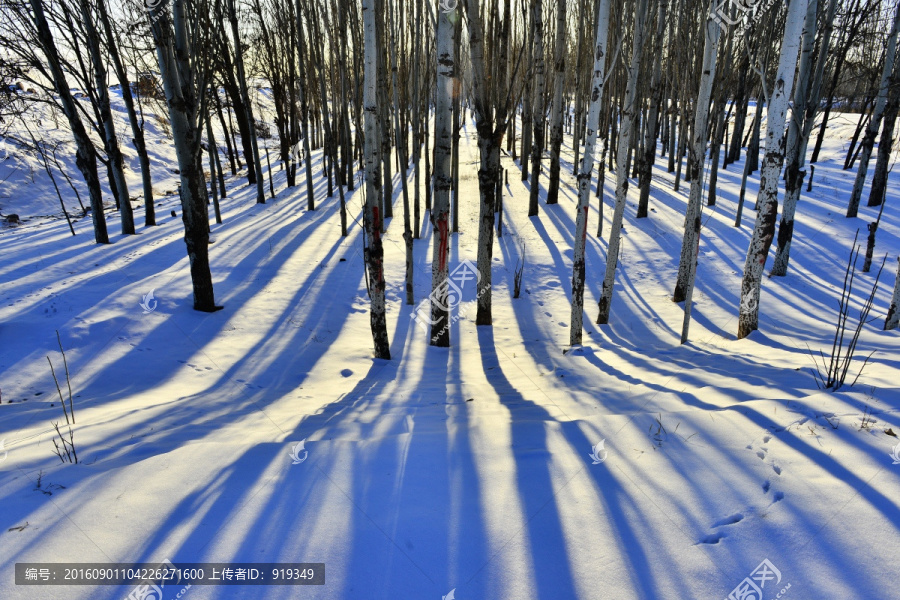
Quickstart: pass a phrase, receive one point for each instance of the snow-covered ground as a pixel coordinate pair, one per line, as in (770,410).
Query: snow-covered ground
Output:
(472,472)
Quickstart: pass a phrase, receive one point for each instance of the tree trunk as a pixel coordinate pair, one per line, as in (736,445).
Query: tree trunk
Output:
(304,115)
(767,200)
(892,321)
(245,100)
(879,179)
(556,117)
(537,115)
(401,148)
(697,152)
(110,141)
(584,176)
(374,253)
(137,129)
(528,94)
(875,122)
(440,213)
(647,154)
(211,152)
(85,154)
(691,242)
(175,64)
(798,135)
(629,108)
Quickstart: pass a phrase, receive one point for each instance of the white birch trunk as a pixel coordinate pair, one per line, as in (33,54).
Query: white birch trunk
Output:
(584,175)
(440,213)
(767,199)
(690,245)
(624,142)
(373,216)
(795,145)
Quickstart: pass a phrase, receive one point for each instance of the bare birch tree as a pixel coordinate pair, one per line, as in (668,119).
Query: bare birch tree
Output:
(628,115)
(598,82)
(440,212)
(767,199)
(690,244)
(373,214)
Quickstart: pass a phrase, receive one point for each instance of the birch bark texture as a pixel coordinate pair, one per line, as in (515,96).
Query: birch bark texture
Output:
(629,107)
(598,80)
(440,212)
(374,252)
(767,198)
(690,245)
(796,146)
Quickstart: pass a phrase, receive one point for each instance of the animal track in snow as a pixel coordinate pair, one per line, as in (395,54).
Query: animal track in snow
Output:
(713,538)
(730,520)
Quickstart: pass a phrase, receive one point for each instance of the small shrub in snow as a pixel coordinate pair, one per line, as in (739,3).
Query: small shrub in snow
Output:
(832,374)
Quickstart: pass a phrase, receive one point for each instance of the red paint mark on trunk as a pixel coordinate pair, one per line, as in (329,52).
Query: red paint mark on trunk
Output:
(442,232)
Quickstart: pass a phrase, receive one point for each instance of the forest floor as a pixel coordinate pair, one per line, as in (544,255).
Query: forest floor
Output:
(465,472)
